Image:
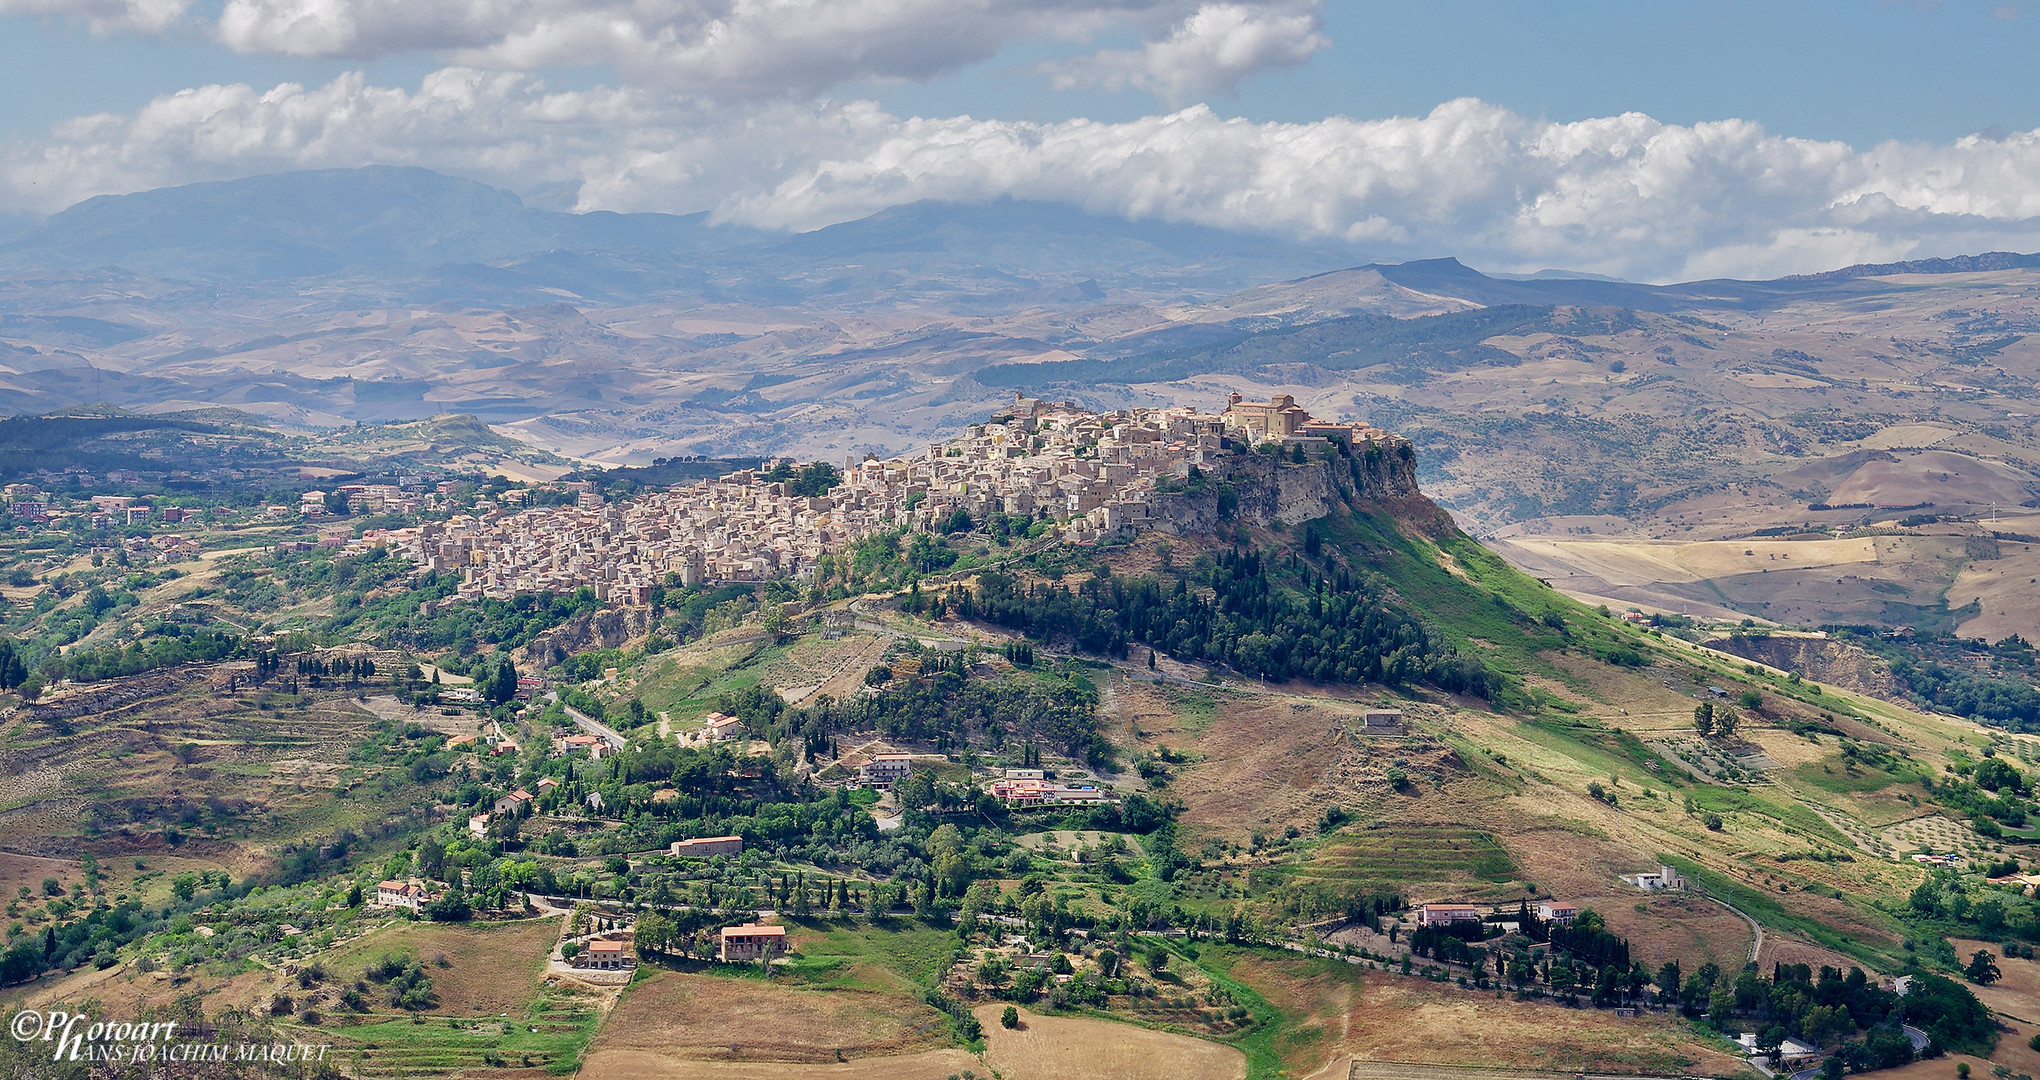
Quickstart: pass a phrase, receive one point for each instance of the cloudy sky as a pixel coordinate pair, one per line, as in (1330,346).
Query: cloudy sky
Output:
(1651,140)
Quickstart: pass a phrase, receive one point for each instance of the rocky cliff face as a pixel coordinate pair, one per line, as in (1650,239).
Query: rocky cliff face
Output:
(1821,660)
(1263,489)
(605,629)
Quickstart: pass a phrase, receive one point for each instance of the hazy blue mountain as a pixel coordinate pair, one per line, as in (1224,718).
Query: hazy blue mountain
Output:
(396,293)
(14,225)
(1047,233)
(306,224)
(422,236)
(1450,277)
(1555,275)
(1960,264)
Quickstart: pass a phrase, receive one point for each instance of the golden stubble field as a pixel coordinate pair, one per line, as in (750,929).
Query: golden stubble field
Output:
(2015,999)
(1409,1020)
(1803,581)
(684,1027)
(2002,588)
(489,968)
(727,1020)
(1079,1048)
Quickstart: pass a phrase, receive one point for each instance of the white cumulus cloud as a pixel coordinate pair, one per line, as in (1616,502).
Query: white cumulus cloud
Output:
(104,16)
(766,47)
(1626,195)
(1208,53)
(749,48)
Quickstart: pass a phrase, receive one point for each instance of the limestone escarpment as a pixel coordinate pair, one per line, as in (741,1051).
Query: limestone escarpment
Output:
(1267,488)
(1821,660)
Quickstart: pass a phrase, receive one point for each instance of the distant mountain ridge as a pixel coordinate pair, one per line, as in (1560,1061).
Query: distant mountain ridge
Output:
(1959,264)
(434,238)
(307,223)
(320,299)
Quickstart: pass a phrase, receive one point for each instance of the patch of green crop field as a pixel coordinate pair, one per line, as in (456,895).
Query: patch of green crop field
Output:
(551,1035)
(1193,710)
(1836,774)
(1792,815)
(1391,855)
(1603,749)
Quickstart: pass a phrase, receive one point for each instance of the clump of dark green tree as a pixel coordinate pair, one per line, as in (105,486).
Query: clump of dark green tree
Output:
(1990,683)
(805,481)
(1835,1007)
(1254,612)
(945,705)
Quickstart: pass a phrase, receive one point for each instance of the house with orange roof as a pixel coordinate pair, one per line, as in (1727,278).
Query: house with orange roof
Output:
(751,941)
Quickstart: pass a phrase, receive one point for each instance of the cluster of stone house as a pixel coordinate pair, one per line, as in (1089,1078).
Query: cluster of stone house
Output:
(1091,473)
(1025,791)
(604,954)
(885,770)
(514,805)
(589,745)
(1663,879)
(409,895)
(704,846)
(1553,912)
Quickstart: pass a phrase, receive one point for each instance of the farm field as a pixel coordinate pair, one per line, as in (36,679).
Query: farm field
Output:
(549,1033)
(489,968)
(1083,1048)
(477,969)
(1042,1048)
(1406,1020)
(1417,858)
(1807,581)
(1330,1014)
(733,1018)
(2015,999)
(616,1064)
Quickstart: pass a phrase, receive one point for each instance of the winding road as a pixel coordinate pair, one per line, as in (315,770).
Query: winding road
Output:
(1757,928)
(589,724)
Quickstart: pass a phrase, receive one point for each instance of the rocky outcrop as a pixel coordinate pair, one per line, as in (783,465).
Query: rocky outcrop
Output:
(1264,489)
(97,698)
(1820,660)
(604,629)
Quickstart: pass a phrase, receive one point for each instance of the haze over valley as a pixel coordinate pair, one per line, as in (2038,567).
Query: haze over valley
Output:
(1545,409)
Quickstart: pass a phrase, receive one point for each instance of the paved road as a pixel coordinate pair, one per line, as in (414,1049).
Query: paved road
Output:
(591,725)
(1757,928)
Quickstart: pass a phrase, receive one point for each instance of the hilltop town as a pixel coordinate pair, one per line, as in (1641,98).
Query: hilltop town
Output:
(1086,474)
(1150,714)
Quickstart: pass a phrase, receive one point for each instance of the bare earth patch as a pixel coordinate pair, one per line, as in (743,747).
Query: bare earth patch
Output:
(1076,1048)
(682,1016)
(2015,998)
(615,1064)
(492,967)
(1406,1020)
